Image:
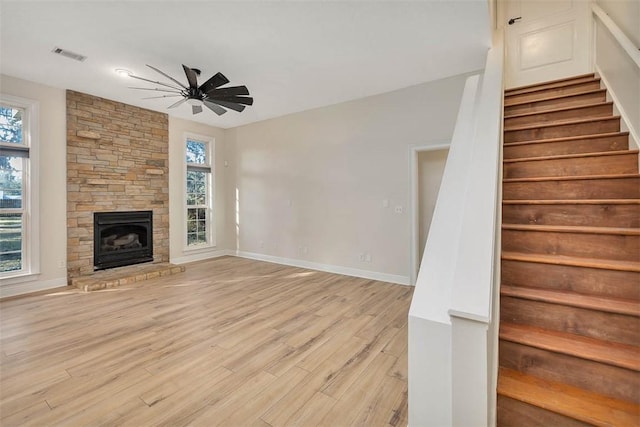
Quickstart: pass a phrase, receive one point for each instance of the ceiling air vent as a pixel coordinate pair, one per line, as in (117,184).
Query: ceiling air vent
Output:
(69,54)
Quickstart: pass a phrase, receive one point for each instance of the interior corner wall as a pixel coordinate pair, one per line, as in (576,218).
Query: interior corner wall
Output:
(53,185)
(330,186)
(177,130)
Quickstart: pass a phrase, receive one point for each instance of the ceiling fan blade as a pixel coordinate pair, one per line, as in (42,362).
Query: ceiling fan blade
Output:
(192,77)
(167,76)
(174,105)
(245,100)
(216,81)
(228,91)
(156,89)
(196,109)
(155,82)
(161,96)
(232,105)
(214,107)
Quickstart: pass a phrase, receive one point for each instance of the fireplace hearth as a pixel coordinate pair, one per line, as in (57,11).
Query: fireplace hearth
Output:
(122,238)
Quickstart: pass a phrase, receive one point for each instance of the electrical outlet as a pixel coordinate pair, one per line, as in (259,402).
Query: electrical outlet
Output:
(399,209)
(367,257)
(361,257)
(385,203)
(62,264)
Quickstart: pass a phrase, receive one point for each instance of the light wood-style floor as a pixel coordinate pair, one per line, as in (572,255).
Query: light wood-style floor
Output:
(230,342)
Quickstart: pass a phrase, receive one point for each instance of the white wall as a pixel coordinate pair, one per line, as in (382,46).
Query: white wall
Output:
(53,184)
(625,13)
(314,180)
(177,130)
(430,169)
(312,185)
(619,72)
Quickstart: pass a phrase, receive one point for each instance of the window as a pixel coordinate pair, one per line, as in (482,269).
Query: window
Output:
(199,192)
(18,185)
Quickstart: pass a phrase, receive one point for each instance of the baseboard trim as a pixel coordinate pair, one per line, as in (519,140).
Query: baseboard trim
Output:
(347,271)
(200,256)
(14,289)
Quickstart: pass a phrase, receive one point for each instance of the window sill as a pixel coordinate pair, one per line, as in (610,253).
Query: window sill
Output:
(199,249)
(18,278)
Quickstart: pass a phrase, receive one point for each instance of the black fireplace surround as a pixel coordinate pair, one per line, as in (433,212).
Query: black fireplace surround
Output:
(122,238)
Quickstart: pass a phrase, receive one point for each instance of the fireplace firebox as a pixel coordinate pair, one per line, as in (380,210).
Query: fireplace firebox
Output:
(122,238)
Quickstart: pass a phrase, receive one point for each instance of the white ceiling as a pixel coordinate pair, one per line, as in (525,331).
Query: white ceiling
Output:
(293,56)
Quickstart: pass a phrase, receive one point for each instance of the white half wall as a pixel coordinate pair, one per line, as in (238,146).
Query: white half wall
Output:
(53,185)
(330,186)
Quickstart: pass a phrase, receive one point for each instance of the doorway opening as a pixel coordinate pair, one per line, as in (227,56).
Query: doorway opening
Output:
(427,164)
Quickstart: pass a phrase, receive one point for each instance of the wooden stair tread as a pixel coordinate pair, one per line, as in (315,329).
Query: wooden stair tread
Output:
(622,231)
(567,400)
(605,264)
(566,138)
(559,123)
(572,178)
(573,299)
(574,202)
(552,84)
(570,156)
(563,127)
(557,97)
(555,110)
(611,353)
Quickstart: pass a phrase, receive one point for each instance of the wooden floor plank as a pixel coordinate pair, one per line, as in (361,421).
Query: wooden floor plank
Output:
(230,342)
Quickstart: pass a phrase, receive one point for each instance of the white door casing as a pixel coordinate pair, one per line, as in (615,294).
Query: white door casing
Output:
(551,40)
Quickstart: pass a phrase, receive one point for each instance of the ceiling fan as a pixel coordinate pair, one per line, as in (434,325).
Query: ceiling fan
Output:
(210,93)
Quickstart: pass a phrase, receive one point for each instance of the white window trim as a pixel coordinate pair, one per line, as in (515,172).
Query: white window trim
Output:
(31,207)
(211,205)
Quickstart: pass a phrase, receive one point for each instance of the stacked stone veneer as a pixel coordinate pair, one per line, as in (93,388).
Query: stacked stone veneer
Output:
(117,160)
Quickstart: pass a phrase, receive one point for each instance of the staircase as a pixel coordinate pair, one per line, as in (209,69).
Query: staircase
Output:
(570,294)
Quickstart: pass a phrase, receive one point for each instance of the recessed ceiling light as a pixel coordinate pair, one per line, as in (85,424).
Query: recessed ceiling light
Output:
(123,73)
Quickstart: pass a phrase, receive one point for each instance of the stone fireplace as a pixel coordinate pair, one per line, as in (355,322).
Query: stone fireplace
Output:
(117,161)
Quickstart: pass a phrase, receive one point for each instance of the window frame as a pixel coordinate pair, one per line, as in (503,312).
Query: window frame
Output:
(209,192)
(31,184)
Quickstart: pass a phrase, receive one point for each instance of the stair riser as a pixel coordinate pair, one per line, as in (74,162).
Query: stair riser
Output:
(514,413)
(597,215)
(551,84)
(600,246)
(546,93)
(614,164)
(591,145)
(606,188)
(590,323)
(613,381)
(571,101)
(575,113)
(562,131)
(587,281)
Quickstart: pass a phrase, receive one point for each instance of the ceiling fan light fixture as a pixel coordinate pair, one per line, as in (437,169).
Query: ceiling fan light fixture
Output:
(123,73)
(194,101)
